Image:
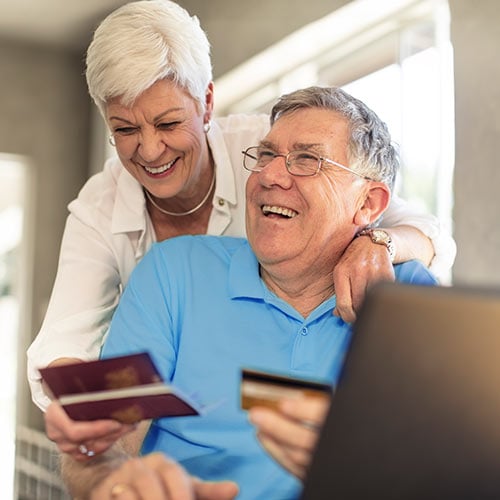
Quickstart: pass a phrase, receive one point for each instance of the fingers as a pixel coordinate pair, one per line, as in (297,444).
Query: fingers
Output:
(343,305)
(208,490)
(361,266)
(290,435)
(282,429)
(122,491)
(289,443)
(308,409)
(82,440)
(294,460)
(153,477)
(175,481)
(156,477)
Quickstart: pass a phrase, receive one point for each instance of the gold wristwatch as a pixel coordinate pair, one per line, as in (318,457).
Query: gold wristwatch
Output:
(380,237)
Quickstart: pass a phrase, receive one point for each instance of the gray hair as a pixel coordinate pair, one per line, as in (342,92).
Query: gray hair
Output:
(144,42)
(371,151)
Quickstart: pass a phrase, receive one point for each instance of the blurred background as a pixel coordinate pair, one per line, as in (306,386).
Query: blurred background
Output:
(428,67)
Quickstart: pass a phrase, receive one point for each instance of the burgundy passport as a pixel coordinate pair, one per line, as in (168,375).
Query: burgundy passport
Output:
(126,388)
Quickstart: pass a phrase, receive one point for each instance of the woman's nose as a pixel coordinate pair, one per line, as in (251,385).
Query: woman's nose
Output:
(151,145)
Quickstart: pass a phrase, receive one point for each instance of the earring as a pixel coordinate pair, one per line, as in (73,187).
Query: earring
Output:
(112,140)
(206,127)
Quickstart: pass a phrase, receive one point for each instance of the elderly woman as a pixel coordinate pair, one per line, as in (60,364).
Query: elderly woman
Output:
(178,171)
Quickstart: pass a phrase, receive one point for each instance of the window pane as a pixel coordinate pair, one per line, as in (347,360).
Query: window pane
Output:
(12,188)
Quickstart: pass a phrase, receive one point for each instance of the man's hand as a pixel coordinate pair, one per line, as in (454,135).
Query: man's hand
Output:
(290,435)
(155,477)
(82,440)
(363,264)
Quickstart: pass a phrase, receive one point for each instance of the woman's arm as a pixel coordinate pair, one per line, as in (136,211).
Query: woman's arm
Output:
(414,235)
(84,296)
(400,213)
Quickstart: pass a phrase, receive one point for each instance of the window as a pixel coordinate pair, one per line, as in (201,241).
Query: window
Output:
(13,275)
(396,56)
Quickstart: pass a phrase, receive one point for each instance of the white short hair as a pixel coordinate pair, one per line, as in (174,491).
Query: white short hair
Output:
(144,42)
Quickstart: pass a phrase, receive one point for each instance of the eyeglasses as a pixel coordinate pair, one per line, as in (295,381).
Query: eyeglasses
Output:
(299,163)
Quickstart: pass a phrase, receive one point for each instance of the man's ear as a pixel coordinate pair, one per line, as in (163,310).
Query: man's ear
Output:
(376,201)
(209,103)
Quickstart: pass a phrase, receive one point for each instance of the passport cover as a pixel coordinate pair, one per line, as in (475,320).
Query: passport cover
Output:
(125,388)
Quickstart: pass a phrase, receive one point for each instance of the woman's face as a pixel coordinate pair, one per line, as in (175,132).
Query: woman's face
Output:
(160,139)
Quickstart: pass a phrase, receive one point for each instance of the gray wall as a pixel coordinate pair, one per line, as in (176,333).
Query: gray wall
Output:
(476,38)
(238,30)
(45,115)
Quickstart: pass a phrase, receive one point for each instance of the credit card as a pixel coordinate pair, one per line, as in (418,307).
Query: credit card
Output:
(260,388)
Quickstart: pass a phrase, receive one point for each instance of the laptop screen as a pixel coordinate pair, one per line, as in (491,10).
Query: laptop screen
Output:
(416,413)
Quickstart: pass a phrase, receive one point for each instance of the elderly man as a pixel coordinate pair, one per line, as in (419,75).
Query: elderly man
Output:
(205,307)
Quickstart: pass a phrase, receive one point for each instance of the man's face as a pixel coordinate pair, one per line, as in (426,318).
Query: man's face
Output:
(303,221)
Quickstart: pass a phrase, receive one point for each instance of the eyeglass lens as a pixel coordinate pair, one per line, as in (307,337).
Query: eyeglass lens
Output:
(297,162)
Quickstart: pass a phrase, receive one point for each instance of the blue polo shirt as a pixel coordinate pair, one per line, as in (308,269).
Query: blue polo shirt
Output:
(198,306)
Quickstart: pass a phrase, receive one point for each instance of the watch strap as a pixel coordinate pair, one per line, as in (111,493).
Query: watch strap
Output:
(380,237)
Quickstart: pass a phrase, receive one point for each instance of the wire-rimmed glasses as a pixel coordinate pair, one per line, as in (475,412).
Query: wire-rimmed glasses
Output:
(299,163)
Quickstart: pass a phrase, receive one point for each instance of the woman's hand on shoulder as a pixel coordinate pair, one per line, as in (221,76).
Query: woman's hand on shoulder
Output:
(361,266)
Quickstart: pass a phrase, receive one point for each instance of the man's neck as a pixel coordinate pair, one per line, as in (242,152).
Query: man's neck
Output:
(303,292)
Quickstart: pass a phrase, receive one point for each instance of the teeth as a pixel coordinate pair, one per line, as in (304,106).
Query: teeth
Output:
(273,209)
(160,169)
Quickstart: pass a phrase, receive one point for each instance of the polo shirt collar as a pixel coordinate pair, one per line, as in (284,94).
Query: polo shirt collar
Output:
(245,282)
(244,277)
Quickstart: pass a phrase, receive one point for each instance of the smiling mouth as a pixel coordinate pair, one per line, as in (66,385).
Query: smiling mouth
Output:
(288,213)
(160,169)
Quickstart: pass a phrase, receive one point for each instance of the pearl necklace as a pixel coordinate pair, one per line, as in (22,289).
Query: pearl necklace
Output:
(180,214)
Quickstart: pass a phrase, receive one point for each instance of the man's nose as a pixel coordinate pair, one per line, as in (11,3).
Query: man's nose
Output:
(276,173)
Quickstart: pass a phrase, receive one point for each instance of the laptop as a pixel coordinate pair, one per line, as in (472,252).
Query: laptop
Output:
(416,413)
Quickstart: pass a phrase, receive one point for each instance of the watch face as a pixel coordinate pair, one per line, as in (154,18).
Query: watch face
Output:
(379,235)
